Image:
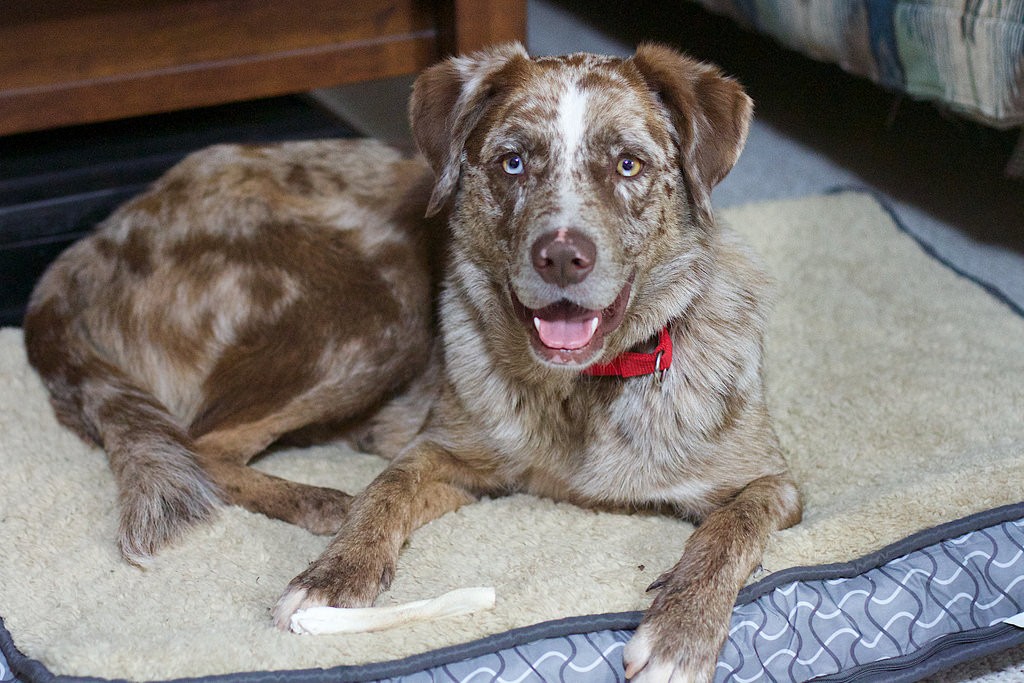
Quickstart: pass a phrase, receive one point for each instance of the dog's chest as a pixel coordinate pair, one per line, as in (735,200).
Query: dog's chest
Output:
(611,441)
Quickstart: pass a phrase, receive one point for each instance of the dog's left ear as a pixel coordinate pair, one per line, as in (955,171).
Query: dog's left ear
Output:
(710,112)
(448,101)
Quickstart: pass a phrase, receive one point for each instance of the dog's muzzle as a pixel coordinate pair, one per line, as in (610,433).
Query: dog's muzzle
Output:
(565,332)
(563,257)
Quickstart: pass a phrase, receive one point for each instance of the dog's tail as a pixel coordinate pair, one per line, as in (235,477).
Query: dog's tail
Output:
(161,487)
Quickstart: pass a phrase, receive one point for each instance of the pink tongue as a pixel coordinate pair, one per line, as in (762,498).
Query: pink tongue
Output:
(566,334)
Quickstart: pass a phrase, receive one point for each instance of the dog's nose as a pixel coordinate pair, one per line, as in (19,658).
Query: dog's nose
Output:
(563,257)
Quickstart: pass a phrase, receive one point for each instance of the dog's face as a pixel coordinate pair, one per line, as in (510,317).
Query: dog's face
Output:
(580,185)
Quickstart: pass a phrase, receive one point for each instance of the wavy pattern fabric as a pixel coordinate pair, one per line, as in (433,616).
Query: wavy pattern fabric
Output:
(814,628)
(579,657)
(968,54)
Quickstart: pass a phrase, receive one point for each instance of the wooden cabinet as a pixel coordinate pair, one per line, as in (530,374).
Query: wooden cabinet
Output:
(66,62)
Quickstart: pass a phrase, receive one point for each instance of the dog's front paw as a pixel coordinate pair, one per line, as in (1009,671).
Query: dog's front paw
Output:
(649,658)
(293,599)
(680,636)
(351,580)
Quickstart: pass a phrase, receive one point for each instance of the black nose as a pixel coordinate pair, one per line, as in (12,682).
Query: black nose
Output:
(563,257)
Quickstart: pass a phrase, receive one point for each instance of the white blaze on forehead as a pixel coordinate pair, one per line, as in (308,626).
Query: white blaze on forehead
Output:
(569,138)
(572,109)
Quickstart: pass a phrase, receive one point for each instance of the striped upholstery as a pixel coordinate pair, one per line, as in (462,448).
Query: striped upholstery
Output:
(966,54)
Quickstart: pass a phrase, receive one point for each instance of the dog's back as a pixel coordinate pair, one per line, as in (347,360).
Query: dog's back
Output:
(252,292)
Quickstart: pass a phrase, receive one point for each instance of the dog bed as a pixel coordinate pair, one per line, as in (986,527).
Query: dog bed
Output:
(897,388)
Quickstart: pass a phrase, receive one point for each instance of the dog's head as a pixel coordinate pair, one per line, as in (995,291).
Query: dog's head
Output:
(580,188)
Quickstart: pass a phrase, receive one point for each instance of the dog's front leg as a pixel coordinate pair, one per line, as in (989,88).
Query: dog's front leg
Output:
(360,561)
(680,636)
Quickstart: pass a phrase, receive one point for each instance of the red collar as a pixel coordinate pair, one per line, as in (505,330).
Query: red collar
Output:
(632,364)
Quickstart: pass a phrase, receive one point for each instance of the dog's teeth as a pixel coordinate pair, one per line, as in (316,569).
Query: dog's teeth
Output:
(536,323)
(593,326)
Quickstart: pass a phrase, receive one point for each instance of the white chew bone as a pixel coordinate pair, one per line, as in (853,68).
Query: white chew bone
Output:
(325,620)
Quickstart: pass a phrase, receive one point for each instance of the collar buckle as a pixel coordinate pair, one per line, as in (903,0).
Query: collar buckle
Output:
(634,364)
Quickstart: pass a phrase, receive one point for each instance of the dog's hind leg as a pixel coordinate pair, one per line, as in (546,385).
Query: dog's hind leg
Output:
(256,395)
(225,453)
(274,382)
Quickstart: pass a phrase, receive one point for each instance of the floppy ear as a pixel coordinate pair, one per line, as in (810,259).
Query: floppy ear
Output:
(448,101)
(710,112)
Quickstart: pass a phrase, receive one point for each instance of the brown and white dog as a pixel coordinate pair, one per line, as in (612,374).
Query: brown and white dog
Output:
(297,291)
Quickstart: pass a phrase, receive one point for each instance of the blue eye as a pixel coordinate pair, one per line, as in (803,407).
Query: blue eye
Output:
(513,164)
(629,166)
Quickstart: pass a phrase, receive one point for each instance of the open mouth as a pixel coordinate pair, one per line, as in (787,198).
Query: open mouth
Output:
(565,333)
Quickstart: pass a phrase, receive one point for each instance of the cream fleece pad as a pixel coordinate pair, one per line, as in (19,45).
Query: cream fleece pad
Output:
(898,393)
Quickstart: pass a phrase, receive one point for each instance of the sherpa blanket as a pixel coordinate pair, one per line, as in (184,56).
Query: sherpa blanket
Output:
(897,389)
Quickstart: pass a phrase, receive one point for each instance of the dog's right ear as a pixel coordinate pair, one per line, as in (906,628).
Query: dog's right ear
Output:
(448,101)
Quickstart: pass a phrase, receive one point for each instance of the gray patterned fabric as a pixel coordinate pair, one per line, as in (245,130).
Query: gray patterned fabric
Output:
(968,54)
(582,657)
(815,628)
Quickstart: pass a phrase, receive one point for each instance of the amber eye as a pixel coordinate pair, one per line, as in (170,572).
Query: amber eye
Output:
(629,166)
(513,164)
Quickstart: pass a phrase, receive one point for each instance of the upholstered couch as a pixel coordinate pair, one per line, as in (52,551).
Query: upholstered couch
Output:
(966,55)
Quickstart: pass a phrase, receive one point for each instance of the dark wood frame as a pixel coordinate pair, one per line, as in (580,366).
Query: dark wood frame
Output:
(65,62)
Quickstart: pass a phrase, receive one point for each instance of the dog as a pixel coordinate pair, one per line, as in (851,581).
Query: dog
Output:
(541,302)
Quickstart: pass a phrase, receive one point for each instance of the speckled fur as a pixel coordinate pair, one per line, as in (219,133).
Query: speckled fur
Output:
(252,293)
(698,443)
(140,345)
